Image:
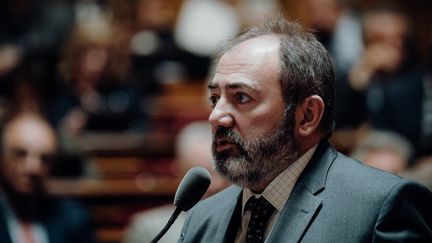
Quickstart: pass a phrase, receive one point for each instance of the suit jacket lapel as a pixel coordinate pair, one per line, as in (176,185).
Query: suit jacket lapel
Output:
(303,204)
(295,218)
(232,214)
(4,232)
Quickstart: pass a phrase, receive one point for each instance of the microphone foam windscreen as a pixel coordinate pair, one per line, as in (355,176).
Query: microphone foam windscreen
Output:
(192,188)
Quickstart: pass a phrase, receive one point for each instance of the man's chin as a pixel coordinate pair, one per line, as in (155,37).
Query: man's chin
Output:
(24,189)
(236,171)
(29,189)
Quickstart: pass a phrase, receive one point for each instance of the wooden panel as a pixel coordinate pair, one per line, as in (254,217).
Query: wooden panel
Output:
(113,201)
(140,186)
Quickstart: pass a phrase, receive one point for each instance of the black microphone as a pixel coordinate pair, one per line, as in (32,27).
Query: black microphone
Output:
(191,189)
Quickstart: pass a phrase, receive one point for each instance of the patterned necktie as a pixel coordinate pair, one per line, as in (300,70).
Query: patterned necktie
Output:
(261,210)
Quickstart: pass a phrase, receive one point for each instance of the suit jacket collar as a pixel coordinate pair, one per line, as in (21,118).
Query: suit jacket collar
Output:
(52,227)
(304,204)
(232,213)
(4,231)
(315,174)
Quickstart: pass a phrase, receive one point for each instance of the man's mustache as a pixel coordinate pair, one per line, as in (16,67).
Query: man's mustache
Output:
(227,134)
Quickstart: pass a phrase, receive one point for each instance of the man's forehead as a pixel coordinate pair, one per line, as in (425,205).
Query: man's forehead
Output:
(246,63)
(268,40)
(30,133)
(259,45)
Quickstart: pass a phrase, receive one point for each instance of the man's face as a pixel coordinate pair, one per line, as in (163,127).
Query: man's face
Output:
(252,134)
(29,147)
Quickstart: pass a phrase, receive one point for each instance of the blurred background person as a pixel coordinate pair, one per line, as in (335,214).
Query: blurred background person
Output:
(389,73)
(94,93)
(425,144)
(27,213)
(422,169)
(193,148)
(337,25)
(32,33)
(384,150)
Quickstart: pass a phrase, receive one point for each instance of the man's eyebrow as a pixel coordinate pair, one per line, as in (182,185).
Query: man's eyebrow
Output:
(235,85)
(212,86)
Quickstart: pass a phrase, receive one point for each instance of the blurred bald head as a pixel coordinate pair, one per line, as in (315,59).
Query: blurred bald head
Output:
(29,145)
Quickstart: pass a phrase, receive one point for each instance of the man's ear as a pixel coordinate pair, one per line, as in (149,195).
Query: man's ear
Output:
(309,114)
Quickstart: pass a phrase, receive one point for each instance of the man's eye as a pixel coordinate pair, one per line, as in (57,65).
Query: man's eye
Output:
(213,100)
(19,153)
(242,98)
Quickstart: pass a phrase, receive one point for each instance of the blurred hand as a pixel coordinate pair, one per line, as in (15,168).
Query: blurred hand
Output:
(382,57)
(376,57)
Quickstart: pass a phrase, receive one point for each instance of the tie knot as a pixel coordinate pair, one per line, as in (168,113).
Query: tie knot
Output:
(258,205)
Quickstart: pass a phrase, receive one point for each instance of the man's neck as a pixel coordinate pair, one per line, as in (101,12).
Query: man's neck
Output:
(260,187)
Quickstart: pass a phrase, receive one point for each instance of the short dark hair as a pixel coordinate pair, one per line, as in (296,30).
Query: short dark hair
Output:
(306,67)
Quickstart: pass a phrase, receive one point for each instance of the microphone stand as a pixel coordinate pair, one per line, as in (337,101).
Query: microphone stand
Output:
(171,220)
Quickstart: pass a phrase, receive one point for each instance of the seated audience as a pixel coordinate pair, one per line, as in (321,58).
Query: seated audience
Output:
(193,148)
(27,212)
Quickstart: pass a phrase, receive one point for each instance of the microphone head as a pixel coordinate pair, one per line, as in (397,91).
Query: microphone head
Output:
(192,188)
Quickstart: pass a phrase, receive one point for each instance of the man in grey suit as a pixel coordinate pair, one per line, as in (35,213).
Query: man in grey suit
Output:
(273,99)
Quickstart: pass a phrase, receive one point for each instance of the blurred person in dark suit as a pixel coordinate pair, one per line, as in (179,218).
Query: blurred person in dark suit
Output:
(273,102)
(27,212)
(193,148)
(422,168)
(389,74)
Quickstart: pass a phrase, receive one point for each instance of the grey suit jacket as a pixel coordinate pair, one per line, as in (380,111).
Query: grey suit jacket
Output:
(336,199)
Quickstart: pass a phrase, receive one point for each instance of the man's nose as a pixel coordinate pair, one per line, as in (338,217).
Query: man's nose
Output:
(221,115)
(34,165)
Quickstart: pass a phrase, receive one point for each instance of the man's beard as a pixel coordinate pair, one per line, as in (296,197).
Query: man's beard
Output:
(30,206)
(258,160)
